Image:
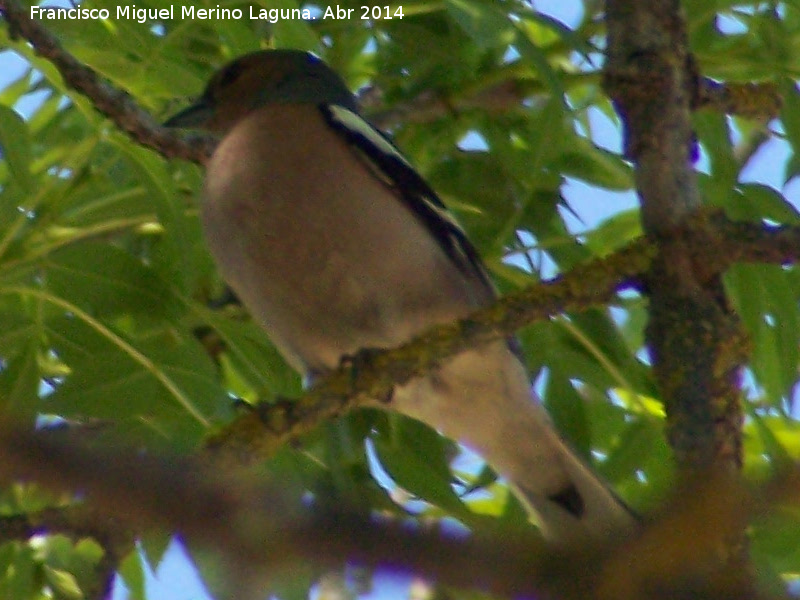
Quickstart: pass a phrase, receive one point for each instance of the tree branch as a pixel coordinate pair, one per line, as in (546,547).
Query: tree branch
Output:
(372,374)
(696,342)
(651,77)
(115,104)
(756,100)
(256,526)
(261,532)
(710,242)
(751,100)
(695,339)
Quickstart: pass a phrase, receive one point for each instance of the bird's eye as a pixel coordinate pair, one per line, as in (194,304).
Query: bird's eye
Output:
(230,75)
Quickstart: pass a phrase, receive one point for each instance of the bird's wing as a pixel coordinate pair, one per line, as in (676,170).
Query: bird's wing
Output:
(389,165)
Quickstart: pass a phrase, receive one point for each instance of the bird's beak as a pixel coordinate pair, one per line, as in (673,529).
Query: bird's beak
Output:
(195,116)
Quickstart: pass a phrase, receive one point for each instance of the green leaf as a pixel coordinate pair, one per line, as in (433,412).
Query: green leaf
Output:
(168,381)
(341,447)
(10,94)
(636,442)
(589,347)
(537,57)
(63,583)
(417,458)
(790,114)
(132,570)
(758,201)
(565,407)
(487,25)
(765,296)
(15,143)
(614,232)
(250,355)
(714,133)
(105,280)
(476,186)
(292,33)
(767,431)
(775,537)
(153,547)
(19,578)
(177,246)
(587,162)
(20,381)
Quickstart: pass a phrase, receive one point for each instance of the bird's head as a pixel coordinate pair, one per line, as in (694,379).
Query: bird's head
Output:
(260,79)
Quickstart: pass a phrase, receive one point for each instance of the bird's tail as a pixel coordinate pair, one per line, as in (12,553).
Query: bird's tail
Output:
(483,399)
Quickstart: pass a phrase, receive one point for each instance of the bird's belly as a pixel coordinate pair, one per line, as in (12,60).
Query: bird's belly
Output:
(322,293)
(324,255)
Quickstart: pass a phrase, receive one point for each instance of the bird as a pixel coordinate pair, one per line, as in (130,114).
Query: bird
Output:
(335,243)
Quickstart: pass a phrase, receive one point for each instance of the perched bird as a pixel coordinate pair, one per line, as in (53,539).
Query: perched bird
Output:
(335,243)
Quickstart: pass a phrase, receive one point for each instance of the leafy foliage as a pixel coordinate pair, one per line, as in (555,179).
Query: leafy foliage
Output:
(110,306)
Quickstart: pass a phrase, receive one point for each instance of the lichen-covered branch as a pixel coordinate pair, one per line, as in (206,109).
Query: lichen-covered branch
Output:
(372,374)
(710,244)
(696,343)
(695,340)
(108,100)
(756,100)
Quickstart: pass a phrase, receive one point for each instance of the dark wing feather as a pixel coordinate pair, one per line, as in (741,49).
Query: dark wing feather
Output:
(387,162)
